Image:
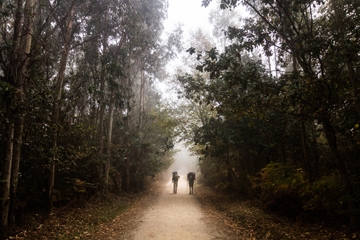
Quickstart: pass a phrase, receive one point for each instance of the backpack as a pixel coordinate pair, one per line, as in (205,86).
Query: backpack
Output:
(191,176)
(175,176)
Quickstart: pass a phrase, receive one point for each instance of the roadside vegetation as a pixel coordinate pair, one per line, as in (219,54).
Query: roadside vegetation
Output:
(250,219)
(99,218)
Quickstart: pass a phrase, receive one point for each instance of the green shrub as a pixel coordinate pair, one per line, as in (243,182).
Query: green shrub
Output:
(277,179)
(284,189)
(325,195)
(280,188)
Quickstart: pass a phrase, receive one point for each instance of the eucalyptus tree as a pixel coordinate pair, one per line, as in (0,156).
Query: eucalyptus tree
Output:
(123,51)
(15,59)
(67,32)
(144,59)
(70,19)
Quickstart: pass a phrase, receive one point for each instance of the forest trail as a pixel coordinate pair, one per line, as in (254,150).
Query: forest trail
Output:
(177,216)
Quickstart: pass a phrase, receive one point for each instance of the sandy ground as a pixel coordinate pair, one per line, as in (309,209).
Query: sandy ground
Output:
(178,216)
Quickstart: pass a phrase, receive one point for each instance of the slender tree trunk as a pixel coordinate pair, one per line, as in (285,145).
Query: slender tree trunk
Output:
(332,141)
(108,149)
(7,175)
(127,158)
(127,127)
(315,150)
(56,107)
(305,150)
(276,63)
(18,134)
(102,96)
(11,74)
(142,101)
(269,64)
(16,72)
(25,45)
(140,132)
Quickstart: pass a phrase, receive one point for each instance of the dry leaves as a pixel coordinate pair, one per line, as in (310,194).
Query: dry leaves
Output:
(251,222)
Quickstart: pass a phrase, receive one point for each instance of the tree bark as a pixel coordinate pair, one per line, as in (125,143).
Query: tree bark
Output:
(127,158)
(127,128)
(7,175)
(56,107)
(305,150)
(108,150)
(102,95)
(141,101)
(315,150)
(18,133)
(332,141)
(16,71)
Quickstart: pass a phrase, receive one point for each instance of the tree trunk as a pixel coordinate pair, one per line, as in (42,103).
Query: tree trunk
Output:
(18,133)
(25,45)
(305,150)
(102,94)
(16,72)
(332,141)
(56,107)
(127,158)
(127,135)
(141,101)
(7,175)
(108,150)
(315,150)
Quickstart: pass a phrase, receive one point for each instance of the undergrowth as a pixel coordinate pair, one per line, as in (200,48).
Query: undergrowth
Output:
(250,221)
(73,222)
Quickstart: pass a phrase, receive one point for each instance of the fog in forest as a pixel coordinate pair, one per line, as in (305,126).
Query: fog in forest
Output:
(184,161)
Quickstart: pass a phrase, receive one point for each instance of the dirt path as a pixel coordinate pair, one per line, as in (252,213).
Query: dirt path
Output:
(177,216)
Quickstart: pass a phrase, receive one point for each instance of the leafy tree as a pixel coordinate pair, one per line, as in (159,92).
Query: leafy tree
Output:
(309,98)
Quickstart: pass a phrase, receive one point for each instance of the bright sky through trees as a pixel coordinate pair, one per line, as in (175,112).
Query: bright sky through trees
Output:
(189,13)
(191,16)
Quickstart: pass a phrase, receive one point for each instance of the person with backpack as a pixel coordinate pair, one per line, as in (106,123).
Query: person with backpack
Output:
(175,178)
(191,178)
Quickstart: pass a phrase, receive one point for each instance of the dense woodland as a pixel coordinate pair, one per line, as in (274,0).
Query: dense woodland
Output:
(278,104)
(272,109)
(79,111)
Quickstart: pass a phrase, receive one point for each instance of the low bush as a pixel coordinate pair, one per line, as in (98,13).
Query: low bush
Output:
(285,189)
(280,188)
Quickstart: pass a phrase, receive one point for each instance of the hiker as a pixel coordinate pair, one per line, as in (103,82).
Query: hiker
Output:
(175,178)
(191,178)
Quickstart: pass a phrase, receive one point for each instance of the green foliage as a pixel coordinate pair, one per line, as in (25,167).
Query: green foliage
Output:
(280,187)
(284,188)
(279,179)
(326,194)
(305,116)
